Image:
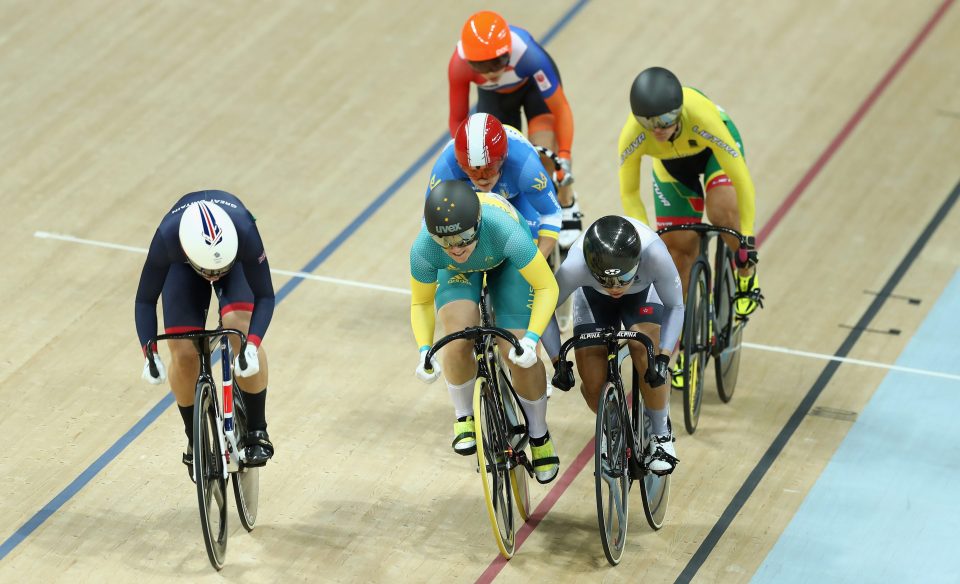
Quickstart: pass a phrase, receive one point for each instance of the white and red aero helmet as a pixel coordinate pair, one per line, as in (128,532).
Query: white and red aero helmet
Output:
(209,238)
(480,142)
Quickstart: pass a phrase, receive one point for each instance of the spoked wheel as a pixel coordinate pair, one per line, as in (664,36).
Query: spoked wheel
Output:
(492,444)
(611,473)
(519,437)
(696,344)
(208,469)
(730,335)
(246,481)
(654,489)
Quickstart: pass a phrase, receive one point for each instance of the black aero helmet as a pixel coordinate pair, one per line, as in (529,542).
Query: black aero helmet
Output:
(611,248)
(656,97)
(452,213)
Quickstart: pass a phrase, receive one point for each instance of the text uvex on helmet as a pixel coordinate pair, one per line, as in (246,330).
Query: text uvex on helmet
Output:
(656,98)
(611,248)
(208,238)
(452,214)
(485,41)
(480,145)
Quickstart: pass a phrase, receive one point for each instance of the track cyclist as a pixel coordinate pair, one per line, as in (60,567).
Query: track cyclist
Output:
(498,159)
(621,272)
(209,240)
(689,136)
(513,72)
(464,236)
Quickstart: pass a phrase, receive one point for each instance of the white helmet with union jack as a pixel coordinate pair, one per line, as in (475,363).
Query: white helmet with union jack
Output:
(208,238)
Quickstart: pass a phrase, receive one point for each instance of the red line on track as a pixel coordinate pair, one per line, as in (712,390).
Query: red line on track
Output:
(578,464)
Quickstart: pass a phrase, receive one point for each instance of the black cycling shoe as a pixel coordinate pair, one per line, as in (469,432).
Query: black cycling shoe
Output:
(257,448)
(188,460)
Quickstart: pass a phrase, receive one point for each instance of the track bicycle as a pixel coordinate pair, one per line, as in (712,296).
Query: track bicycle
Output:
(621,444)
(711,327)
(218,426)
(565,311)
(502,435)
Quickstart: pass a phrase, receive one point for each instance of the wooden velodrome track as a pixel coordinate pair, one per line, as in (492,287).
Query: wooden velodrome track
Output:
(324,119)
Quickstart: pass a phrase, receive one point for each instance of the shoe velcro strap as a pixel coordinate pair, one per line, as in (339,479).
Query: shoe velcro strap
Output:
(463,435)
(571,224)
(258,440)
(546,461)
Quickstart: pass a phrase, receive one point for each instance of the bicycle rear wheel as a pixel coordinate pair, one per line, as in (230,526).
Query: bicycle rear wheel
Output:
(730,335)
(246,481)
(208,470)
(611,473)
(493,466)
(696,343)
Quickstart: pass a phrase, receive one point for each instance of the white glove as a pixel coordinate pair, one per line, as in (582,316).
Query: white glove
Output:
(253,362)
(423,374)
(161,371)
(529,356)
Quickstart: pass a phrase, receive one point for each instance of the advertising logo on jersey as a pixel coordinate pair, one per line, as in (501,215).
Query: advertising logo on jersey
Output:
(632,147)
(542,81)
(711,138)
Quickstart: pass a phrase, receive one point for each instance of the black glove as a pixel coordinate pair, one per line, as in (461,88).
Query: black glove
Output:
(657,375)
(563,376)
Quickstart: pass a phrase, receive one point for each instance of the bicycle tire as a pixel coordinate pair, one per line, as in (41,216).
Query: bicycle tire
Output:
(611,473)
(730,335)
(246,481)
(494,474)
(208,471)
(696,343)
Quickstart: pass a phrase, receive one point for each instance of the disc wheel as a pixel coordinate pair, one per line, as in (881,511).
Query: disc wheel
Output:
(611,473)
(493,465)
(246,481)
(696,344)
(208,469)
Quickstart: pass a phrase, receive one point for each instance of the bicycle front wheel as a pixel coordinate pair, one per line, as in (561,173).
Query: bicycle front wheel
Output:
(493,442)
(519,437)
(696,343)
(246,481)
(611,473)
(208,470)
(730,335)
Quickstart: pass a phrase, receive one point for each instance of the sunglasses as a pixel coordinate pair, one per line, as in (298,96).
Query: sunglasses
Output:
(462,239)
(613,278)
(662,121)
(490,65)
(483,172)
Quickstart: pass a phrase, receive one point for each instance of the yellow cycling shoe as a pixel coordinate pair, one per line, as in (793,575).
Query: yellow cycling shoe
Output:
(464,436)
(748,297)
(546,463)
(678,372)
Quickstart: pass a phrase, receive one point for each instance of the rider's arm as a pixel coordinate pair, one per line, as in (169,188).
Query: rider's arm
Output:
(152,277)
(421,311)
(631,149)
(537,273)
(563,125)
(256,268)
(566,277)
(537,188)
(459,75)
(666,281)
(537,65)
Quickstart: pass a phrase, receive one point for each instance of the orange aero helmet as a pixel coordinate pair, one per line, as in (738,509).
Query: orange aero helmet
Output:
(485,36)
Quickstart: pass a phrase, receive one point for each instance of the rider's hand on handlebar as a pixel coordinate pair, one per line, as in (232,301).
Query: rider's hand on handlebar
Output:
(563,376)
(161,370)
(565,175)
(529,356)
(422,373)
(657,374)
(253,362)
(747,254)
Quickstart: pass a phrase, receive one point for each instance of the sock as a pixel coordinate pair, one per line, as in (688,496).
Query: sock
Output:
(462,396)
(187,414)
(536,412)
(256,410)
(658,420)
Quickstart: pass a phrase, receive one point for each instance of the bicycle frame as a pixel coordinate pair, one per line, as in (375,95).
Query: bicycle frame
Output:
(226,432)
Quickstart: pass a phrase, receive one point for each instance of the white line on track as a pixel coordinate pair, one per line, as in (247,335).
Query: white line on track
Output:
(307,276)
